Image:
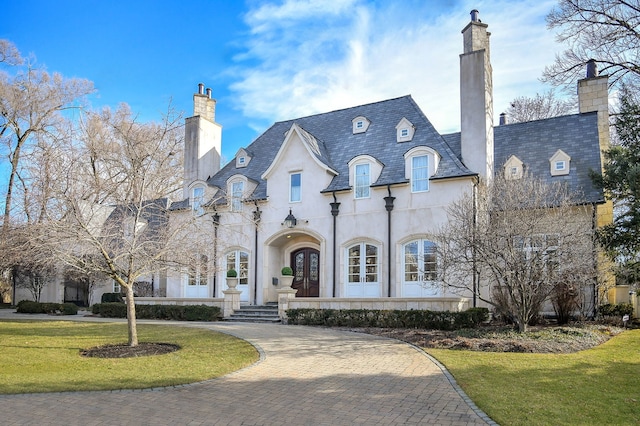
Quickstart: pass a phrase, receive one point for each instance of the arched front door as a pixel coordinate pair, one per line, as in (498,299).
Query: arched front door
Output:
(306,272)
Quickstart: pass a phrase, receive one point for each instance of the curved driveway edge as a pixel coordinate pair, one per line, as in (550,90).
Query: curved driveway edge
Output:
(306,376)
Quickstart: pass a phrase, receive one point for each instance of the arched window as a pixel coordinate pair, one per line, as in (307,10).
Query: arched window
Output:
(197,200)
(420,269)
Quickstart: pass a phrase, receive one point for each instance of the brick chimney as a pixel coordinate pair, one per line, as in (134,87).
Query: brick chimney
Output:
(476,99)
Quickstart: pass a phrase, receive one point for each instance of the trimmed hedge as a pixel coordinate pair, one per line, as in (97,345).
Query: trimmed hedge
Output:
(439,320)
(615,310)
(30,307)
(164,312)
(111,297)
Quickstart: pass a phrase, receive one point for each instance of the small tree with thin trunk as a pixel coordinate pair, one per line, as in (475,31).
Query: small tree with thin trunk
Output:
(108,213)
(513,242)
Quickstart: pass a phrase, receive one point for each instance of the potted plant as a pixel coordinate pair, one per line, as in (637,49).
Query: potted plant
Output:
(286,276)
(232,278)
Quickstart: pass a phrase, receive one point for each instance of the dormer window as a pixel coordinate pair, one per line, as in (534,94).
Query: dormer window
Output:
(360,124)
(404,130)
(242,158)
(513,168)
(421,162)
(559,163)
(197,200)
(237,191)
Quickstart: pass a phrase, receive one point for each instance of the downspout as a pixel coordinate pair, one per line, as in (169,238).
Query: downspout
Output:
(256,218)
(389,206)
(335,209)
(594,228)
(216,222)
(473,240)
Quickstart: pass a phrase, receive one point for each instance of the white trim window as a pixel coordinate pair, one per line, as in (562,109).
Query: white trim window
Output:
(420,269)
(197,284)
(237,190)
(362,180)
(420,173)
(295,187)
(363,270)
(239,260)
(197,200)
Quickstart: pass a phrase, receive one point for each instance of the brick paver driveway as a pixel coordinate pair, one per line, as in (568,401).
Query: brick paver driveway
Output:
(306,376)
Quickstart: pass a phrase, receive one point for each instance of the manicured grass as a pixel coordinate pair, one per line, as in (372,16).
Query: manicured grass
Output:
(599,386)
(44,356)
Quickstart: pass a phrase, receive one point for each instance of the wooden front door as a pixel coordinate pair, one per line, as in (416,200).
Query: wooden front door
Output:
(306,272)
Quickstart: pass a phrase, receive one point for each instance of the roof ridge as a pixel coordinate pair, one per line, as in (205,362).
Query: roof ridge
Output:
(343,109)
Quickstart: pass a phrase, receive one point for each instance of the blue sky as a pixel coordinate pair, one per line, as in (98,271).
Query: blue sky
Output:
(274,60)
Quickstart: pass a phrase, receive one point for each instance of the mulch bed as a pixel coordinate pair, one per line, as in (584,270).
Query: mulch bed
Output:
(542,339)
(126,351)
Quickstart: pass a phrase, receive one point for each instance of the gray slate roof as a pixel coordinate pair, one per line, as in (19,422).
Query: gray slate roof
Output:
(338,145)
(535,142)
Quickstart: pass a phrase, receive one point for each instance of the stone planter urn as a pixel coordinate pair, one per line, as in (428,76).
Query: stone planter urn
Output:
(232,279)
(286,278)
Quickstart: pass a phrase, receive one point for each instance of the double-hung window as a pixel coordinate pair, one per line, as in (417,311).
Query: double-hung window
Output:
(362,180)
(420,173)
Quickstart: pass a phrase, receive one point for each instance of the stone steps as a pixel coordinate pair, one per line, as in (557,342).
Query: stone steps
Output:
(250,313)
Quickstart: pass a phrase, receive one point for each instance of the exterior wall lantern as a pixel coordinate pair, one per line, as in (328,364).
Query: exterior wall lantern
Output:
(290,221)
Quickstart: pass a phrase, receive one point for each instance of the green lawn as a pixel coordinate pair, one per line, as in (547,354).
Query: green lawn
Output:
(43,356)
(600,386)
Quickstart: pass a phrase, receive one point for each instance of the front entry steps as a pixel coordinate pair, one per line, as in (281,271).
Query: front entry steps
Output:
(253,313)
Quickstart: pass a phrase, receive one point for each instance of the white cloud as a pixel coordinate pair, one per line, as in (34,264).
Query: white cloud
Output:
(316,56)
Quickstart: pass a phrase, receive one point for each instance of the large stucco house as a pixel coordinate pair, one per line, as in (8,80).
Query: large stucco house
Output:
(348,198)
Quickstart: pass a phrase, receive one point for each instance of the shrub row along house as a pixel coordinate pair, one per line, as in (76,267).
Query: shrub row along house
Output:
(350,199)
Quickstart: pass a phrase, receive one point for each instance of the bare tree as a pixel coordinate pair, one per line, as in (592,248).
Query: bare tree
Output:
(108,213)
(541,106)
(31,102)
(9,53)
(513,243)
(607,31)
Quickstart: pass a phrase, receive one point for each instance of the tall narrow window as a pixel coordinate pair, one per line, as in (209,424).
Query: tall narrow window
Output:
(198,200)
(237,189)
(420,265)
(420,173)
(239,260)
(295,189)
(363,181)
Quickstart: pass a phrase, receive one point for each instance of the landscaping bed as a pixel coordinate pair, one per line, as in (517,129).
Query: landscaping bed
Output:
(539,339)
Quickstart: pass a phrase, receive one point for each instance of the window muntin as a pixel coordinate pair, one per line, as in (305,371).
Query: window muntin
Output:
(560,165)
(295,187)
(198,271)
(362,180)
(359,124)
(420,261)
(116,287)
(237,190)
(197,195)
(363,270)
(404,133)
(420,173)
(239,260)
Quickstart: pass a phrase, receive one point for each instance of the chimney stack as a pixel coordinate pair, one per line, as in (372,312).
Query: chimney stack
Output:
(593,96)
(503,119)
(203,105)
(476,99)
(592,68)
